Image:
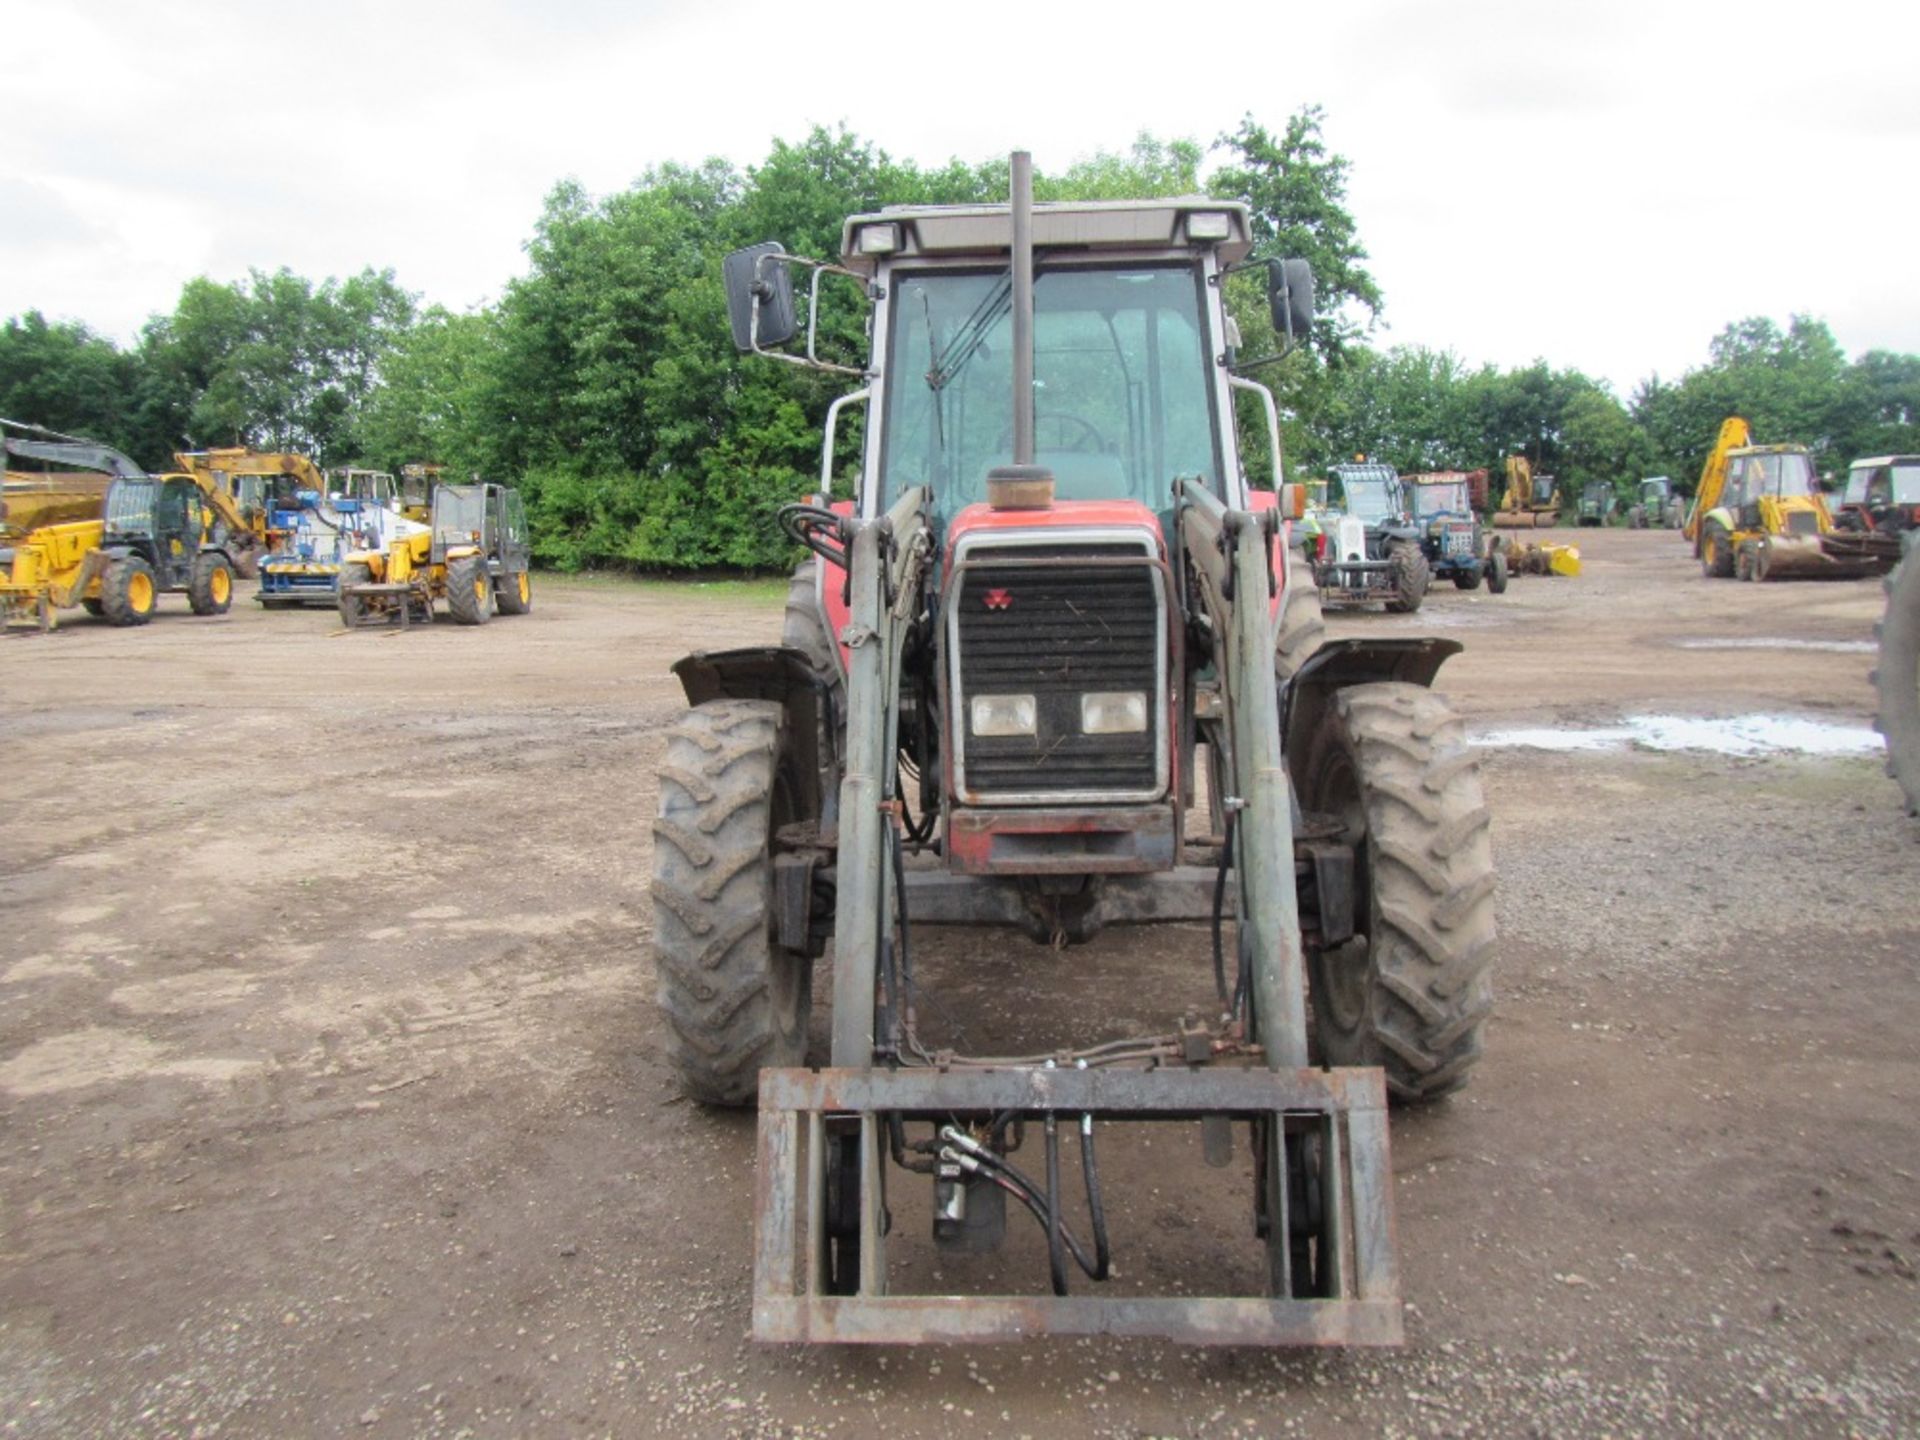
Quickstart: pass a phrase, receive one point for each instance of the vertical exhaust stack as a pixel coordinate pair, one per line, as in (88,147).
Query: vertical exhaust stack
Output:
(1022,173)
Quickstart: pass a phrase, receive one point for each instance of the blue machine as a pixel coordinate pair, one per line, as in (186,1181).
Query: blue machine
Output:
(304,567)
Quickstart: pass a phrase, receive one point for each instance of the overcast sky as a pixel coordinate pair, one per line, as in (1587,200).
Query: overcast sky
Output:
(1601,186)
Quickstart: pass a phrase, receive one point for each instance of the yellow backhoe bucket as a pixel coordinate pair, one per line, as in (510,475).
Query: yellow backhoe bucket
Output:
(1563,559)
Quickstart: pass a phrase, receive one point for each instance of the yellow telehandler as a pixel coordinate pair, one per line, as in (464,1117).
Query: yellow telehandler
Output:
(473,554)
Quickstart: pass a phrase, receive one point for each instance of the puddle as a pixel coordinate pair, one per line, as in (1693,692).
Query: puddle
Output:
(1740,735)
(1831,647)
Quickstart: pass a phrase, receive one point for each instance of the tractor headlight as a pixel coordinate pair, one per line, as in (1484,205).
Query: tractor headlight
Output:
(878,239)
(1208,225)
(1114,712)
(1005,715)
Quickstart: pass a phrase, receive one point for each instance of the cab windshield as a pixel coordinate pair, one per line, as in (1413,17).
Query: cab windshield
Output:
(1369,498)
(1785,475)
(1122,396)
(459,514)
(1446,499)
(129,509)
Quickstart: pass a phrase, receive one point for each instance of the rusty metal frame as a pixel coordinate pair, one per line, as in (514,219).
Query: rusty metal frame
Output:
(790,1301)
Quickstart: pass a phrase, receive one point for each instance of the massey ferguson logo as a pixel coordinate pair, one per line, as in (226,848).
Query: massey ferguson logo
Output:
(999,599)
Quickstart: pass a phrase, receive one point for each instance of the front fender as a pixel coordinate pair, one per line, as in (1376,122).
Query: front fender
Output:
(1340,663)
(782,674)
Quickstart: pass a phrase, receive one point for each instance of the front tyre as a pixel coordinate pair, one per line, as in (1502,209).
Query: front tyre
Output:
(1497,572)
(1410,579)
(128,595)
(210,587)
(1411,992)
(733,999)
(469,590)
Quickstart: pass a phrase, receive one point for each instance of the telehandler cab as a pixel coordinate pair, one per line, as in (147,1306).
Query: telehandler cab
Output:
(1052,599)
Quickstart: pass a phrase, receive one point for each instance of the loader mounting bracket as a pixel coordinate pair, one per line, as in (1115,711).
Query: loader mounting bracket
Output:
(794,1297)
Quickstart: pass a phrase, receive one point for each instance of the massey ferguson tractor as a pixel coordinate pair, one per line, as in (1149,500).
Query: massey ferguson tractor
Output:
(1048,671)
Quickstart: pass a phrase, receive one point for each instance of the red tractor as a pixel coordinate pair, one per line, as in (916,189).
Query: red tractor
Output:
(1054,623)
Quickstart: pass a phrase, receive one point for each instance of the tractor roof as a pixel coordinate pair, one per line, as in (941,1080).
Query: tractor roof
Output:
(952,230)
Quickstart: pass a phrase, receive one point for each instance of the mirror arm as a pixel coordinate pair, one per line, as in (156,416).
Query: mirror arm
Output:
(811,360)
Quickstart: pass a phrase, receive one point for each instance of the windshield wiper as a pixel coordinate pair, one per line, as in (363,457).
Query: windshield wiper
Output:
(972,334)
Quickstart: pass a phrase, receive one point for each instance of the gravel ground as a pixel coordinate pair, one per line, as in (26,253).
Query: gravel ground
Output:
(331,1099)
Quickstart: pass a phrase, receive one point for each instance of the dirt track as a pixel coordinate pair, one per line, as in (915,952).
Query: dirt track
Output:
(330,1100)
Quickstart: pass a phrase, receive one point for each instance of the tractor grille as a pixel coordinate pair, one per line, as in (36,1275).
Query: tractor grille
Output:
(1058,632)
(1458,540)
(1802,522)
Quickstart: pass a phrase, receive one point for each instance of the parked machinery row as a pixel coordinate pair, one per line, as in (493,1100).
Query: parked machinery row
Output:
(98,533)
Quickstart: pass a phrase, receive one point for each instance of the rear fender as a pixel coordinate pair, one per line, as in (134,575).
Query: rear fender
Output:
(1340,663)
(782,674)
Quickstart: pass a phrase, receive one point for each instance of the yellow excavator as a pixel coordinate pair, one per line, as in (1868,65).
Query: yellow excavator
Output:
(258,483)
(1532,502)
(1758,515)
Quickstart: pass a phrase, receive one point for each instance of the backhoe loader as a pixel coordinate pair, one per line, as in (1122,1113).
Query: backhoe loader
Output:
(473,554)
(1052,616)
(1758,515)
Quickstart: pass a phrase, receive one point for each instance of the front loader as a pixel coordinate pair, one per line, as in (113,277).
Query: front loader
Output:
(1052,606)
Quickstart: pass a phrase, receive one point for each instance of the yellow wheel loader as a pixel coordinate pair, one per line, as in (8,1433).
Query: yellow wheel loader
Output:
(1758,515)
(1531,502)
(473,554)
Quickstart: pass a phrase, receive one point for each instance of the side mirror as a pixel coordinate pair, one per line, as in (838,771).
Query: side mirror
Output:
(1290,298)
(760,272)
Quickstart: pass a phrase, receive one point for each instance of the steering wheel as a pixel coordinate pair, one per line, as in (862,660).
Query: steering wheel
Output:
(1078,436)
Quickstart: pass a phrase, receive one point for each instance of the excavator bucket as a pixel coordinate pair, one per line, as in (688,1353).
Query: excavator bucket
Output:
(1323,1203)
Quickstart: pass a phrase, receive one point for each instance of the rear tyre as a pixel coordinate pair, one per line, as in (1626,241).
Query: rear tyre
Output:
(1411,991)
(516,593)
(469,590)
(1897,680)
(353,608)
(210,587)
(804,628)
(1497,572)
(1410,579)
(1637,518)
(733,999)
(128,595)
(1301,627)
(1674,516)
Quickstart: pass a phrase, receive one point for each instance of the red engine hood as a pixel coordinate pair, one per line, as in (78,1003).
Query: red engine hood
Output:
(1062,515)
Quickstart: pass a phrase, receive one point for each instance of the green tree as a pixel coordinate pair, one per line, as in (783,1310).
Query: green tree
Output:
(64,377)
